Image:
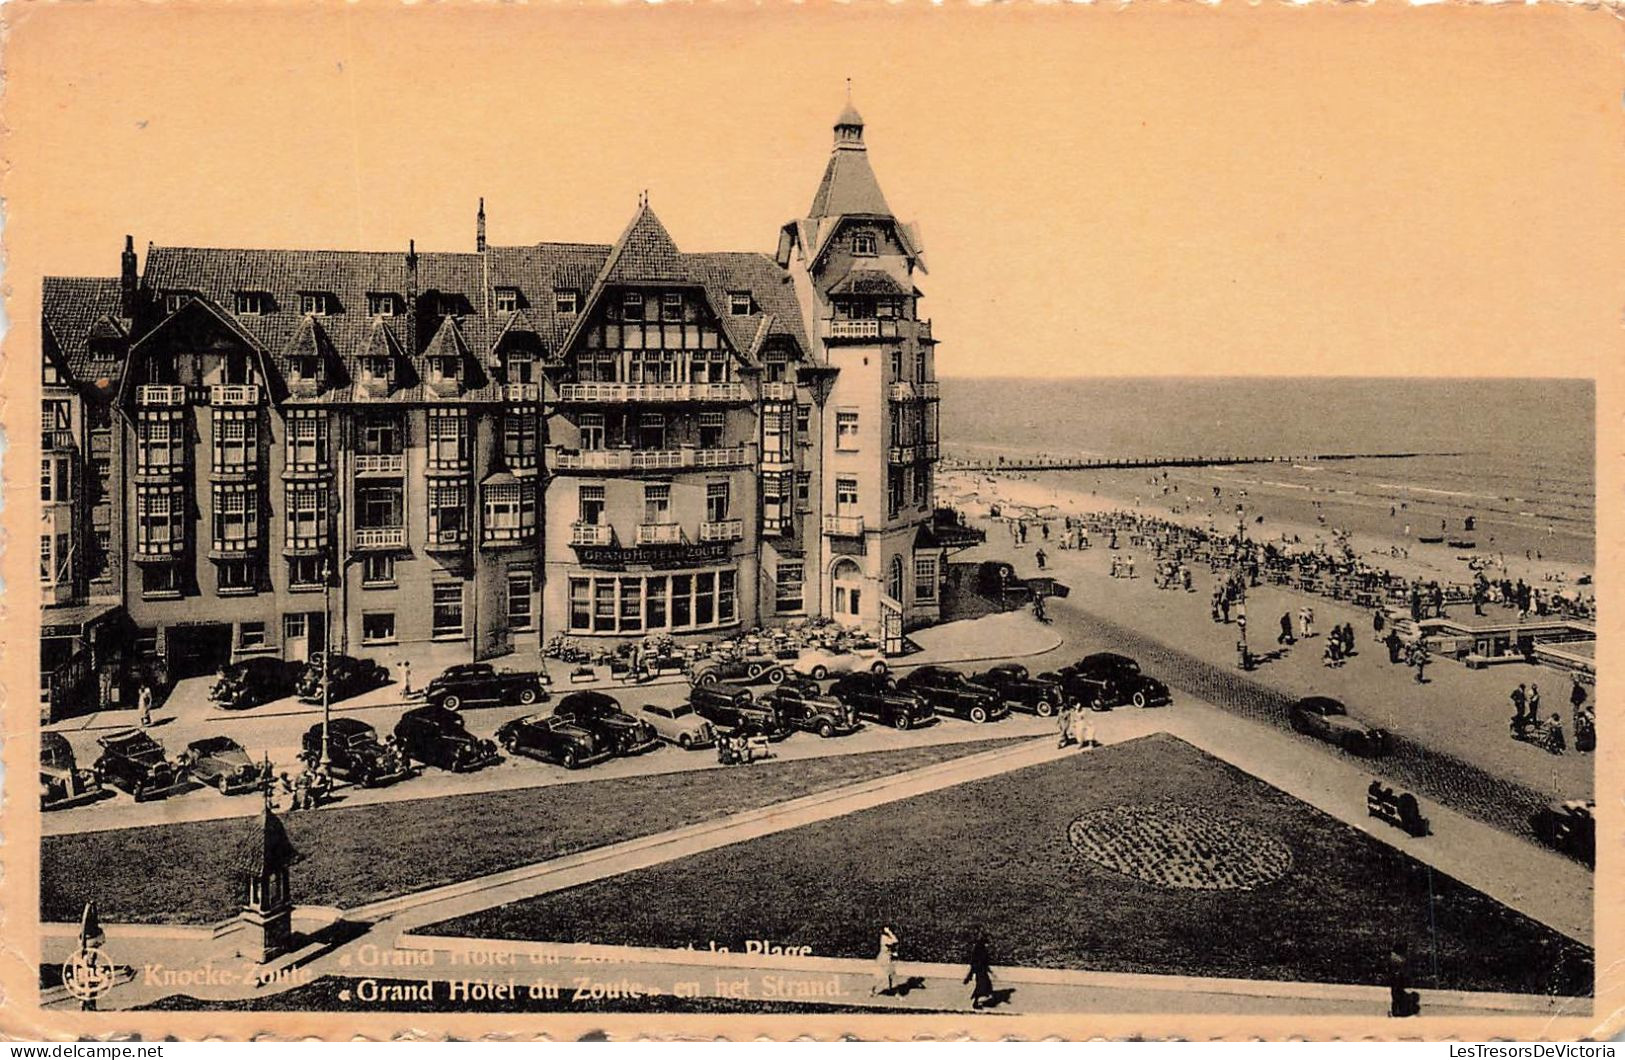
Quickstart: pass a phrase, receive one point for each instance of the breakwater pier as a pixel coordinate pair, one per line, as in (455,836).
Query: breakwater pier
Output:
(1090,463)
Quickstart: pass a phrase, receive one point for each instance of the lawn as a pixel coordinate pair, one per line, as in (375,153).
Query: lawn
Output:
(1216,874)
(178,873)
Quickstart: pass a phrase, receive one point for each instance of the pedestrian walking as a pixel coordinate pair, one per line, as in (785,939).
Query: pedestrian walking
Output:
(1379,618)
(1041,556)
(143,701)
(1063,724)
(1303,622)
(1079,730)
(1520,701)
(1286,636)
(1534,701)
(406,676)
(885,963)
(1128,564)
(980,975)
(1309,622)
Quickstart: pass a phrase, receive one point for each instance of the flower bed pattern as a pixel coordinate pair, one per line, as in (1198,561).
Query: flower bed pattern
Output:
(1180,847)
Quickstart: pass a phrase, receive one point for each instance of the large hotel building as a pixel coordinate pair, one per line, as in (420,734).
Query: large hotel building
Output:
(244,447)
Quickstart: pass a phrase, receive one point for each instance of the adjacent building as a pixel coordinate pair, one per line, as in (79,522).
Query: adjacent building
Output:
(268,451)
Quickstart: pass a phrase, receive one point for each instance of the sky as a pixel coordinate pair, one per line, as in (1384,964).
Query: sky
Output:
(1164,190)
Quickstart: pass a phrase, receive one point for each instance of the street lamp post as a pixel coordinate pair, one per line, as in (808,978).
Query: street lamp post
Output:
(324,767)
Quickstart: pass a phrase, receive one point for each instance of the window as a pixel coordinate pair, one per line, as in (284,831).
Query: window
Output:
(865,243)
(378,568)
(305,572)
(445,369)
(295,625)
(376,369)
(787,588)
(251,636)
(307,522)
(846,429)
(507,299)
(162,579)
(158,442)
(173,300)
(632,305)
(894,491)
(652,430)
(50,374)
(922,484)
(775,503)
(711,432)
(47,564)
(253,303)
(519,366)
(894,578)
(846,496)
(510,511)
(591,512)
(378,627)
(381,434)
(803,419)
(519,432)
(99,566)
(776,435)
(447,619)
(307,442)
(313,303)
(448,505)
(739,303)
(716,502)
(592,430)
(381,304)
(925,579)
(580,604)
(450,304)
(236,518)
(302,368)
(56,414)
(379,507)
(235,440)
(236,577)
(804,491)
(520,612)
(56,479)
(671,306)
(448,438)
(159,512)
(656,502)
(634,603)
(566,301)
(727,596)
(631,605)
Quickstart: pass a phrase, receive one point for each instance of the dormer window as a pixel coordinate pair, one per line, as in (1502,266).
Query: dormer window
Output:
(739,303)
(566,301)
(381,304)
(173,300)
(303,367)
(375,368)
(445,369)
(313,303)
(451,305)
(632,305)
(520,366)
(671,306)
(253,303)
(865,244)
(507,299)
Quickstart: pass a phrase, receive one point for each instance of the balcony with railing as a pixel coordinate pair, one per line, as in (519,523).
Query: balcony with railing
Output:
(722,530)
(234,394)
(778,391)
(160,394)
(922,331)
(600,393)
(369,465)
(521,393)
(497,535)
(600,535)
(621,459)
(843,525)
(57,441)
(929,451)
(660,534)
(377,537)
(901,454)
(902,391)
(927,390)
(446,539)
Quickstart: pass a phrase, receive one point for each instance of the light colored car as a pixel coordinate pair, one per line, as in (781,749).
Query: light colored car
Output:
(819,663)
(680,725)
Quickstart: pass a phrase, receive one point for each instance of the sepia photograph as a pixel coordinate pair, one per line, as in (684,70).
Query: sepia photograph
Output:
(889,521)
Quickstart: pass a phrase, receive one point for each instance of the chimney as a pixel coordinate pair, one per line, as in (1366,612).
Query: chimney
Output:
(412,298)
(127,279)
(479,228)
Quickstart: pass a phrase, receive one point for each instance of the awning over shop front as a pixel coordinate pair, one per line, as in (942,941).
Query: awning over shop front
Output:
(74,620)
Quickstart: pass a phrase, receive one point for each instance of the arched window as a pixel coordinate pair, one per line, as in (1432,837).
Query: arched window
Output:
(894,583)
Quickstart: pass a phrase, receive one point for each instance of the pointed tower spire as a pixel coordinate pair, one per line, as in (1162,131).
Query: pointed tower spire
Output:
(479,227)
(849,185)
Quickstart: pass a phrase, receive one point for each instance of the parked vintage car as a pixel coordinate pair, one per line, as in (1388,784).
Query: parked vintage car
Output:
(355,753)
(819,662)
(753,669)
(221,763)
(1105,680)
(481,684)
(877,697)
(951,692)
(437,736)
(552,739)
(348,676)
(1569,826)
(801,704)
(136,764)
(602,716)
(1037,695)
(1327,719)
(735,709)
(61,782)
(681,725)
(254,681)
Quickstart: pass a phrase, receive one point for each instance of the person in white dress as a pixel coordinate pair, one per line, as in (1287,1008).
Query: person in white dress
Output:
(885,963)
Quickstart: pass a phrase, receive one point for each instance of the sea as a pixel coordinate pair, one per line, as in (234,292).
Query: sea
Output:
(1516,455)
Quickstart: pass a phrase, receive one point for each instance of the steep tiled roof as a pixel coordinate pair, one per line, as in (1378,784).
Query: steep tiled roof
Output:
(645,253)
(772,294)
(849,186)
(76,308)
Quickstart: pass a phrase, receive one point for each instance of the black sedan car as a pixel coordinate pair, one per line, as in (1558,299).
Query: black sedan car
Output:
(951,692)
(877,697)
(221,763)
(436,736)
(347,675)
(611,726)
(736,709)
(254,681)
(1036,695)
(801,704)
(1569,826)
(136,764)
(1328,719)
(354,752)
(481,684)
(1105,680)
(754,669)
(62,783)
(551,739)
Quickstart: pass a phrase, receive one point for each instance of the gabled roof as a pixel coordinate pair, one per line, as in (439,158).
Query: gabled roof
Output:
(309,341)
(645,253)
(448,341)
(871,282)
(381,342)
(74,309)
(849,185)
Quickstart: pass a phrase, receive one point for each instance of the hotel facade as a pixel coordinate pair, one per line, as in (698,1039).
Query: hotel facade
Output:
(268,451)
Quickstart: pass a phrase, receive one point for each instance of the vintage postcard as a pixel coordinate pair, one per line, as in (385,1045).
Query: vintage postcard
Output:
(895,521)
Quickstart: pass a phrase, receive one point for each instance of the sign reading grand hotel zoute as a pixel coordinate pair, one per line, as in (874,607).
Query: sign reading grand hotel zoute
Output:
(658,557)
